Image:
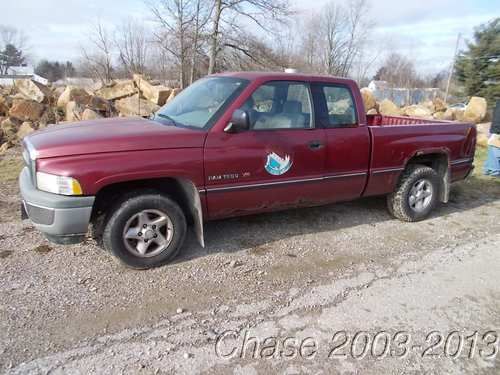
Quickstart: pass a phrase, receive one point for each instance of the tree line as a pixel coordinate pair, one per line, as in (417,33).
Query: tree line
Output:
(183,40)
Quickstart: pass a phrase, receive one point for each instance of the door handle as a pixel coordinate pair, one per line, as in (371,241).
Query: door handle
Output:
(315,145)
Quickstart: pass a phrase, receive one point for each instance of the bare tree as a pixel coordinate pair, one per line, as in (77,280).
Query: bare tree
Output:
(131,39)
(202,16)
(398,71)
(335,39)
(175,18)
(97,58)
(226,21)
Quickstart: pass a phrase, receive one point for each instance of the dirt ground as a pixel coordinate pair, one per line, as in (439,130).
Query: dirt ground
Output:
(336,280)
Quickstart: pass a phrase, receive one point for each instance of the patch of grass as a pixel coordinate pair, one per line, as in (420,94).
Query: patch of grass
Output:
(10,169)
(478,185)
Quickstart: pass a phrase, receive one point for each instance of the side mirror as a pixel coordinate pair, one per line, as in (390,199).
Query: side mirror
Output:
(239,122)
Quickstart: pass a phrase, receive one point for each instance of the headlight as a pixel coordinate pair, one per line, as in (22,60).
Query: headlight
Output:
(58,184)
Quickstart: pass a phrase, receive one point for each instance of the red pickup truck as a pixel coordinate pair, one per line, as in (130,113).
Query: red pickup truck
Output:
(233,144)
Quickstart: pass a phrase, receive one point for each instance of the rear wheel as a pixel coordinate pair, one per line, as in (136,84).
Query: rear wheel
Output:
(416,194)
(145,231)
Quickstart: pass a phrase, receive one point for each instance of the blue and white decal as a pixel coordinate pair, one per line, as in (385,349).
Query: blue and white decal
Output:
(276,165)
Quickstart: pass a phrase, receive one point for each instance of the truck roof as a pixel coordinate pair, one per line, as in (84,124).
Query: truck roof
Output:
(281,76)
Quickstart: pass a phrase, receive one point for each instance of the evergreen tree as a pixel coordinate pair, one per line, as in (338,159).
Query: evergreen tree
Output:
(10,56)
(478,68)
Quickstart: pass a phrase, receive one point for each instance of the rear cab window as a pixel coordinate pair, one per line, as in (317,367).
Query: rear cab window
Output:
(335,105)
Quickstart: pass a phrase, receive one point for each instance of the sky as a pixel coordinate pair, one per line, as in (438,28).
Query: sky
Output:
(425,31)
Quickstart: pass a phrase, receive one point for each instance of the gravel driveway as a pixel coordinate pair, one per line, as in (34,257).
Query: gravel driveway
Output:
(318,276)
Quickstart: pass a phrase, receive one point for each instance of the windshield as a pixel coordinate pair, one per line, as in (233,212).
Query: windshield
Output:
(200,105)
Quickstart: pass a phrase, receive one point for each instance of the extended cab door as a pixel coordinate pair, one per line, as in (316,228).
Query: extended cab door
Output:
(278,162)
(347,140)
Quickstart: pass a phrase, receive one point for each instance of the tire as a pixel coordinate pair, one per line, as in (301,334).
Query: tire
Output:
(131,235)
(416,194)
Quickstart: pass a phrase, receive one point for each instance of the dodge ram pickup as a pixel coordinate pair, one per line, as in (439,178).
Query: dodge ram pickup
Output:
(233,144)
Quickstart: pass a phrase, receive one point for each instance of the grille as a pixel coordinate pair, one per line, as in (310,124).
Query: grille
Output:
(40,215)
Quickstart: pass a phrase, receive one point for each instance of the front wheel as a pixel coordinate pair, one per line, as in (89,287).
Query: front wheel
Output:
(145,231)
(416,194)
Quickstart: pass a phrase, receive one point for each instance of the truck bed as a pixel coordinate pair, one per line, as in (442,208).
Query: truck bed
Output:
(381,120)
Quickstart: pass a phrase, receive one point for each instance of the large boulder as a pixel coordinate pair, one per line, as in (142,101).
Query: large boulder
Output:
(476,109)
(89,114)
(173,94)
(417,111)
(72,94)
(50,116)
(98,104)
(439,105)
(117,90)
(4,147)
(25,129)
(388,108)
(154,93)
(429,104)
(135,106)
(32,90)
(26,110)
(9,127)
(368,99)
(4,106)
(74,111)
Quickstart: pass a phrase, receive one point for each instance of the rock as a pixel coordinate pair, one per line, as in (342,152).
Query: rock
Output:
(417,111)
(476,109)
(26,110)
(180,310)
(74,111)
(388,108)
(135,106)
(173,94)
(156,94)
(448,115)
(9,127)
(372,111)
(25,129)
(439,105)
(50,116)
(429,105)
(368,99)
(235,263)
(72,94)
(99,104)
(117,90)
(4,106)
(89,114)
(458,114)
(4,147)
(439,115)
(32,90)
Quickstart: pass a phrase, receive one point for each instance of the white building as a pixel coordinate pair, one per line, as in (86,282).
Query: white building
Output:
(21,72)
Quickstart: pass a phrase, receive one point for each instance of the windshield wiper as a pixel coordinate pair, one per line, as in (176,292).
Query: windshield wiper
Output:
(167,118)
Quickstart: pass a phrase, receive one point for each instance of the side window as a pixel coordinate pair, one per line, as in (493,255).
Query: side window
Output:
(340,106)
(280,105)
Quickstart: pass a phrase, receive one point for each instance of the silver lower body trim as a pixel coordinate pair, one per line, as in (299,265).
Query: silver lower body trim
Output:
(286,182)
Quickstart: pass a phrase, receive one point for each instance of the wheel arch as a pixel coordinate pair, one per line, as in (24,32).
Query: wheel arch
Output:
(182,190)
(440,162)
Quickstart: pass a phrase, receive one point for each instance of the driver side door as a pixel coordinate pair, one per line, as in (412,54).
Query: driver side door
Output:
(277,163)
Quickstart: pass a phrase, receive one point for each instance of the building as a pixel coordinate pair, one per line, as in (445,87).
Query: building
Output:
(21,72)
